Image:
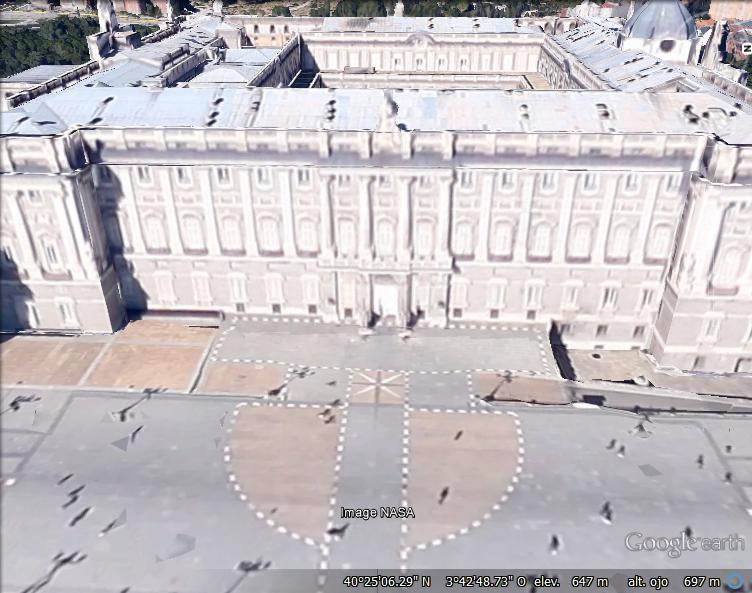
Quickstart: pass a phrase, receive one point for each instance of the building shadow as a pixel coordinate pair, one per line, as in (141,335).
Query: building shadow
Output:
(17,299)
(561,354)
(111,198)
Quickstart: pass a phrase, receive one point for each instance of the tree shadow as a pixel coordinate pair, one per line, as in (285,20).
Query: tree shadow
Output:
(561,354)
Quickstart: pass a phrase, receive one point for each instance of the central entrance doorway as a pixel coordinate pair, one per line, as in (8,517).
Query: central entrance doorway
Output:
(386,301)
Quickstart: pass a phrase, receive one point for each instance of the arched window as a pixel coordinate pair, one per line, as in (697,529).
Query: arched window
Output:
(155,233)
(660,242)
(193,234)
(51,255)
(728,268)
(385,237)
(112,230)
(346,237)
(463,243)
(620,242)
(580,240)
(232,234)
(540,240)
(269,240)
(424,238)
(502,238)
(308,241)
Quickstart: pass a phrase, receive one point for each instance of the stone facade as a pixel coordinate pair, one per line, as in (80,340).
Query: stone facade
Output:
(622,235)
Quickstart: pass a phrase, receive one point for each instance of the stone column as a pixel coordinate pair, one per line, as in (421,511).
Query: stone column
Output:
(365,226)
(445,217)
(404,208)
(288,217)
(325,214)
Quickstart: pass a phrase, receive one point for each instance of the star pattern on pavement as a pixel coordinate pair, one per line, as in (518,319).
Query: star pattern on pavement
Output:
(378,387)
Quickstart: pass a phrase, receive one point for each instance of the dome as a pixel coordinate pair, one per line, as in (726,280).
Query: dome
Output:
(661,19)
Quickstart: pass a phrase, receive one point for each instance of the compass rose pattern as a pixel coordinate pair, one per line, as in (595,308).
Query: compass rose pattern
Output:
(378,387)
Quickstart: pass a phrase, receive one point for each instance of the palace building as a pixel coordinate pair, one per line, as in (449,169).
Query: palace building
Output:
(388,170)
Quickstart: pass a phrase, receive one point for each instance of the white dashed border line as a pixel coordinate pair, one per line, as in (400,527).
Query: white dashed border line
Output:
(324,548)
(237,488)
(405,471)
(475,524)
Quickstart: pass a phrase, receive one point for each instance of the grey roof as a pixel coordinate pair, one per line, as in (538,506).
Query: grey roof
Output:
(661,19)
(227,73)
(360,109)
(39,74)
(251,56)
(624,70)
(424,25)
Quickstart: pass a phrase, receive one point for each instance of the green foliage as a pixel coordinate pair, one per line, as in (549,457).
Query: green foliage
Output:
(360,8)
(56,41)
(151,10)
(320,8)
(281,11)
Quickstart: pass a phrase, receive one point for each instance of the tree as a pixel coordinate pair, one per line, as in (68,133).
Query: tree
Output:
(346,8)
(323,9)
(281,11)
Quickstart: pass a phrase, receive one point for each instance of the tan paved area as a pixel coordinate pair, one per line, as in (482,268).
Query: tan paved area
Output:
(241,378)
(283,459)
(378,387)
(145,354)
(621,365)
(519,388)
(39,360)
(161,332)
(138,366)
(477,468)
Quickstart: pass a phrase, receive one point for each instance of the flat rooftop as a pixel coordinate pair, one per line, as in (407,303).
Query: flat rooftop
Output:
(360,109)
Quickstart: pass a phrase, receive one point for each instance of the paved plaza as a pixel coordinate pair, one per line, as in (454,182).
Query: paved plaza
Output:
(170,491)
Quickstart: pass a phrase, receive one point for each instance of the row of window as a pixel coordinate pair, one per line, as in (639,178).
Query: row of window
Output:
(467,179)
(464,240)
(533,298)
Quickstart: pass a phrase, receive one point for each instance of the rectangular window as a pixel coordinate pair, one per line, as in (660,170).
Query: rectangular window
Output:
(571,294)
(496,293)
(711,329)
(276,309)
(466,179)
(143,174)
(457,313)
(262,176)
(312,309)
(310,290)
(35,197)
(630,182)
(183,176)
(223,175)
(202,289)
(494,314)
(534,296)
(548,181)
(67,311)
(610,297)
(238,292)
(348,313)
(304,176)
(165,288)
(639,332)
(601,331)
(646,298)
(590,181)
(274,292)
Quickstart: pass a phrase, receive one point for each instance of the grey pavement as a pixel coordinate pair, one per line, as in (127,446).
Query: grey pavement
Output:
(431,350)
(180,527)
(446,391)
(371,477)
(568,474)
